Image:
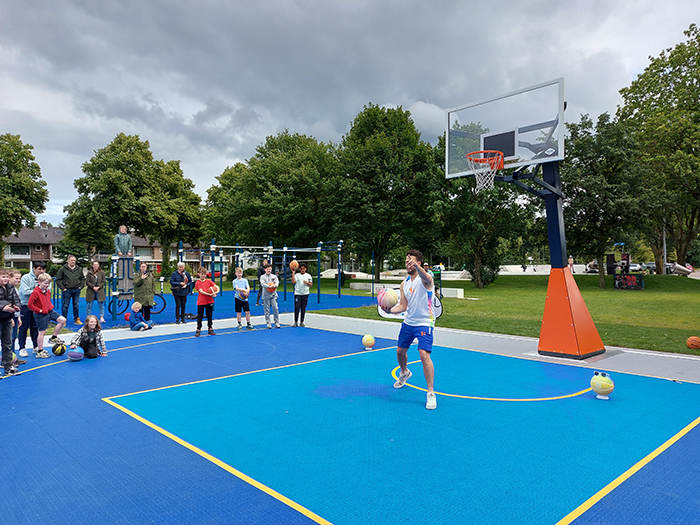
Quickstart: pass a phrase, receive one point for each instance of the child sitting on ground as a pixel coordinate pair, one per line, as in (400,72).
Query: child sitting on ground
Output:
(90,339)
(136,320)
(40,304)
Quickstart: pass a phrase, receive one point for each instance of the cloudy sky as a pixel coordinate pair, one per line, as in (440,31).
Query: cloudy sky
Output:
(206,81)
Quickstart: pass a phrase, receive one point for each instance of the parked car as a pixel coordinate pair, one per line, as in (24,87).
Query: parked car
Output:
(635,267)
(651,266)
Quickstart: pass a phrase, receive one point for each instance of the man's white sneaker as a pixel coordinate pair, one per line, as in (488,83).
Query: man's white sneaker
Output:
(23,353)
(431,401)
(402,379)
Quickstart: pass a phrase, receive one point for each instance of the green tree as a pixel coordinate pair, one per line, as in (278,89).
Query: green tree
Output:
(124,185)
(383,193)
(599,180)
(662,107)
(23,192)
(280,195)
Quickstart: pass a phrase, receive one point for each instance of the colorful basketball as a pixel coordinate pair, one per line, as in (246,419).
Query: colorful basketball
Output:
(693,341)
(76,354)
(243,294)
(368,341)
(294,265)
(387,299)
(602,384)
(59,349)
(14,357)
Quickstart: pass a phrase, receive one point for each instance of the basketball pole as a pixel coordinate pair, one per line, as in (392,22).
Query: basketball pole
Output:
(567,327)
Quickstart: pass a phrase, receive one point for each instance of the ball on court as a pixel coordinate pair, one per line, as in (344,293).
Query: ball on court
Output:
(693,341)
(59,349)
(14,357)
(602,384)
(294,265)
(387,298)
(368,341)
(76,354)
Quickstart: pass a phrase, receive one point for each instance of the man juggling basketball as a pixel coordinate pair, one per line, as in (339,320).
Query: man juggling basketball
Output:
(416,300)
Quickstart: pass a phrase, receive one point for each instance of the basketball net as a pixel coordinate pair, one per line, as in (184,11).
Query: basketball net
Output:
(485,164)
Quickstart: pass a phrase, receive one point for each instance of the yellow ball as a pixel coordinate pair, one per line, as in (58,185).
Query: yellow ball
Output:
(368,341)
(602,384)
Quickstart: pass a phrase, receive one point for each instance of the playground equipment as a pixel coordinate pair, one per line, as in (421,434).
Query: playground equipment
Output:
(280,258)
(527,128)
(121,287)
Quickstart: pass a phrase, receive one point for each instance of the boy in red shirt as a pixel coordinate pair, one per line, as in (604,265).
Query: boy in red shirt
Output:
(205,300)
(40,304)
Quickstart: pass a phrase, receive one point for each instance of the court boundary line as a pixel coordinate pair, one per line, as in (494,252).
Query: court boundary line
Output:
(225,466)
(610,487)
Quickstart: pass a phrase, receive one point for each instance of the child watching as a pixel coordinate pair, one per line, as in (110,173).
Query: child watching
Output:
(269,283)
(40,304)
(90,339)
(15,277)
(205,300)
(242,289)
(136,320)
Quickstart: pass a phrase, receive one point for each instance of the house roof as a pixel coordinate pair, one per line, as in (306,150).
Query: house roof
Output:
(36,235)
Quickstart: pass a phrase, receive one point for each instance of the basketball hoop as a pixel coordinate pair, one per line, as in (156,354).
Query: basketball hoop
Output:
(485,164)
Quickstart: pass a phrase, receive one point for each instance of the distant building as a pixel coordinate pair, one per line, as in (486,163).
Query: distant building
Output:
(31,244)
(37,244)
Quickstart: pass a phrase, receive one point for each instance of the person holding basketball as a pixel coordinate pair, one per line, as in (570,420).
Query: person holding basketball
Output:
(416,300)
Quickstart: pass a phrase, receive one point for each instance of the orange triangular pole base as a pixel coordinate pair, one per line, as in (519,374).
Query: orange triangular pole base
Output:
(567,328)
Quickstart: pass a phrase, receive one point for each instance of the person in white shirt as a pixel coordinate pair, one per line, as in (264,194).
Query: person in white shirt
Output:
(302,283)
(417,301)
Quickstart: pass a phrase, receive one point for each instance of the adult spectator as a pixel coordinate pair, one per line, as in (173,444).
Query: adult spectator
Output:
(180,286)
(95,290)
(122,243)
(144,290)
(26,287)
(70,279)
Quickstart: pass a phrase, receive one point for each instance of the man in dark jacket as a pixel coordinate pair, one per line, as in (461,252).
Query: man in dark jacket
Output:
(70,279)
(180,282)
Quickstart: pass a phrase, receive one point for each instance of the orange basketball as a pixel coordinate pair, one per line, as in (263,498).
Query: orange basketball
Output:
(271,287)
(293,265)
(693,341)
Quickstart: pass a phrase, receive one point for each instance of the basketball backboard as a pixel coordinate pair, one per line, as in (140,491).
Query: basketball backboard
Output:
(526,125)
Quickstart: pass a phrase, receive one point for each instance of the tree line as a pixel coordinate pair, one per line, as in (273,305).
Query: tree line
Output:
(629,177)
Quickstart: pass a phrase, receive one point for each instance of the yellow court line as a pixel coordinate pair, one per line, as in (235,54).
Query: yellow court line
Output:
(247,373)
(393,373)
(228,468)
(580,510)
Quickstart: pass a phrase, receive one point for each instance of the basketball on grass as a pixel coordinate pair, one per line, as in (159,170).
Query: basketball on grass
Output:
(76,354)
(59,349)
(294,265)
(368,341)
(693,341)
(387,299)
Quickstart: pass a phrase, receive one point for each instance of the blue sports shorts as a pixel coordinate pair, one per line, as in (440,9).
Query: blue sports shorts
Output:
(42,320)
(424,334)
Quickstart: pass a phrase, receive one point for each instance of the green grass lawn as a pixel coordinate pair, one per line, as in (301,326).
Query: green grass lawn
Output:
(660,317)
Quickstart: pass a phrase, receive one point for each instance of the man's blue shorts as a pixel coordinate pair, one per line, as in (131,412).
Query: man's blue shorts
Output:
(42,320)
(423,333)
